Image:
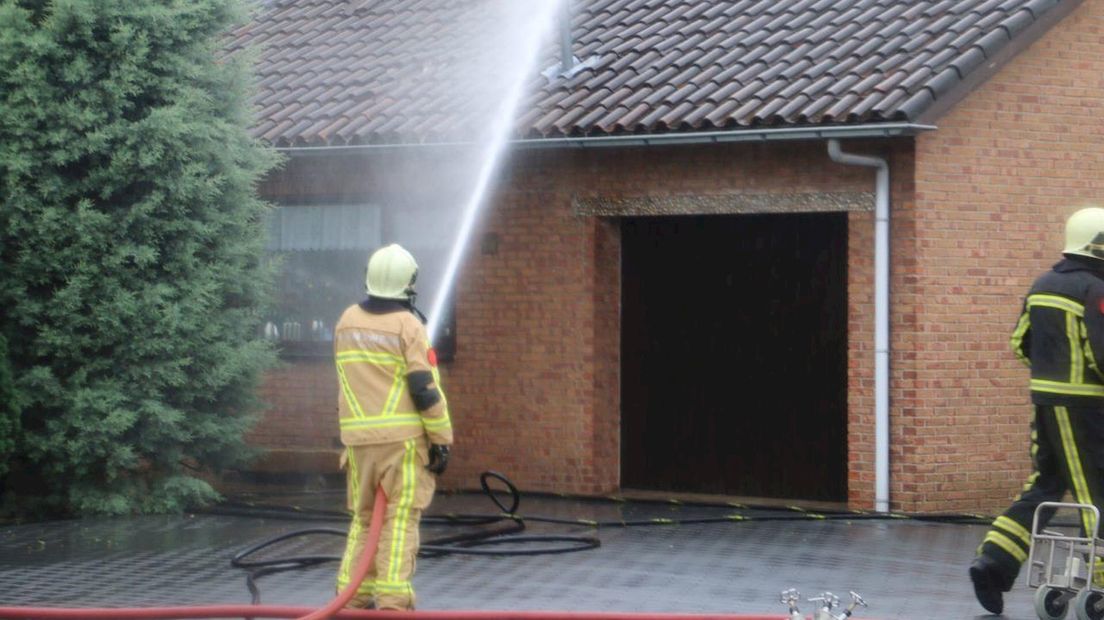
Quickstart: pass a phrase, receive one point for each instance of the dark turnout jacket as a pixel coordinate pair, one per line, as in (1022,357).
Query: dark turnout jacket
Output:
(1060,335)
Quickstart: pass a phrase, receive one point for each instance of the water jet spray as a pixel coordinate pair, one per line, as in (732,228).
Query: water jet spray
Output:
(542,14)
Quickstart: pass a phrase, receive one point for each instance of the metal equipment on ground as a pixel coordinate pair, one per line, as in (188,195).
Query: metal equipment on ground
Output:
(1060,565)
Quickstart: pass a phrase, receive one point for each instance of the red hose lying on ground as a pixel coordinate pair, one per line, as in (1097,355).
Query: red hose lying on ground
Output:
(335,608)
(231,611)
(276,611)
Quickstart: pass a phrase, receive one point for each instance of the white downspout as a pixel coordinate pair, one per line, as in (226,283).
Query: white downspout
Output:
(881,316)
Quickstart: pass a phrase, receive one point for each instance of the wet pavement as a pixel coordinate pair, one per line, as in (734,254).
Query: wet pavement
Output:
(903,568)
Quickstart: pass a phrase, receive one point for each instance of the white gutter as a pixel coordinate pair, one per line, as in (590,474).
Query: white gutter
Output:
(868,130)
(881,316)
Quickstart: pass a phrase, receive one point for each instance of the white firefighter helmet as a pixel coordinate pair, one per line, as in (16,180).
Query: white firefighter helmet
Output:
(1085,233)
(391,273)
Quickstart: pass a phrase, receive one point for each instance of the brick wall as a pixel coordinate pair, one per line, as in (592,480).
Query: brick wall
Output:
(542,241)
(993,187)
(534,388)
(524,380)
(299,425)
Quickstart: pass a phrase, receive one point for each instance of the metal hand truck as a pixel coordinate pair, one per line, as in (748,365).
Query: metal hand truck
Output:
(1060,567)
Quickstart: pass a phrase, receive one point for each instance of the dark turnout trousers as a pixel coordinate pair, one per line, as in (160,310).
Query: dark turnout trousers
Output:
(1067,445)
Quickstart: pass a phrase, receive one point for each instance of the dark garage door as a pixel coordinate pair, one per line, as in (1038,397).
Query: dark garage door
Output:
(734,337)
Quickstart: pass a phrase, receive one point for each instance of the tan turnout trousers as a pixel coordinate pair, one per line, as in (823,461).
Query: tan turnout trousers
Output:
(400,468)
(390,407)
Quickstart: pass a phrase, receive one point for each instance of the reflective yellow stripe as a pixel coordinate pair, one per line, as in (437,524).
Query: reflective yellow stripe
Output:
(389,585)
(1014,528)
(394,586)
(1077,356)
(1059,387)
(354,527)
(378,359)
(347,391)
(444,422)
(375,587)
(1054,301)
(437,381)
(1017,337)
(1073,461)
(1091,357)
(399,419)
(392,402)
(373,357)
(354,477)
(1030,479)
(1005,543)
(402,512)
(1074,312)
(436,424)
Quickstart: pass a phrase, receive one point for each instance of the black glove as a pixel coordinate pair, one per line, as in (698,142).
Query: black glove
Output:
(438,458)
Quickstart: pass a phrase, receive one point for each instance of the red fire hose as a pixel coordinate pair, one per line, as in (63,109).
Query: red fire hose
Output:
(366,558)
(275,611)
(335,608)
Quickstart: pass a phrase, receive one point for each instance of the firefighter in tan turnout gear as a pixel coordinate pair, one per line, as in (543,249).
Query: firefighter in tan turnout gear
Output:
(394,423)
(1060,336)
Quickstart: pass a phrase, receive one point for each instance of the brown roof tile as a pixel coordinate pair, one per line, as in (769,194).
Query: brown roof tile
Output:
(695,117)
(630,118)
(345,72)
(723,113)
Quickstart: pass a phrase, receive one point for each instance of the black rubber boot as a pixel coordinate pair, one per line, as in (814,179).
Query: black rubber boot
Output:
(989,583)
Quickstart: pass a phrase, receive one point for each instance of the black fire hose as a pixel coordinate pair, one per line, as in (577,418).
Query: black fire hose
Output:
(475,543)
(467,543)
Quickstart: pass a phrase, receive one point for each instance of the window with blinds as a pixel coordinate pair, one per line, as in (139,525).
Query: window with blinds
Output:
(320,253)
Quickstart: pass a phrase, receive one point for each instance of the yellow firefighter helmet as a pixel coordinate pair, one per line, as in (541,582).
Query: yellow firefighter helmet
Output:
(391,273)
(1085,233)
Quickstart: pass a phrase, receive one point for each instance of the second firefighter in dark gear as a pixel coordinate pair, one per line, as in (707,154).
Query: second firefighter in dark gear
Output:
(1060,336)
(394,423)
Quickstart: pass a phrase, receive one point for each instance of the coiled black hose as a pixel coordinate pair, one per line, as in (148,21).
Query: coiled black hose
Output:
(467,543)
(475,543)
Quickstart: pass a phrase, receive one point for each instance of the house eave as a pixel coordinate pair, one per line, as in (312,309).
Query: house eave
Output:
(869,130)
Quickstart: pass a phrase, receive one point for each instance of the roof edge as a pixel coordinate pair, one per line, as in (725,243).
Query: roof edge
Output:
(869,130)
(1001,57)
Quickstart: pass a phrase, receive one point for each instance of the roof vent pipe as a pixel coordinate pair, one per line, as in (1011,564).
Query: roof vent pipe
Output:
(567,58)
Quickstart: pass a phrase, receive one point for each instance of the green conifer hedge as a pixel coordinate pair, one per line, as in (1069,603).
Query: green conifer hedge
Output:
(9,413)
(131,243)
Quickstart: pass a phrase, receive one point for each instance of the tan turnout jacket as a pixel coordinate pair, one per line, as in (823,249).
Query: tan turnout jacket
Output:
(376,355)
